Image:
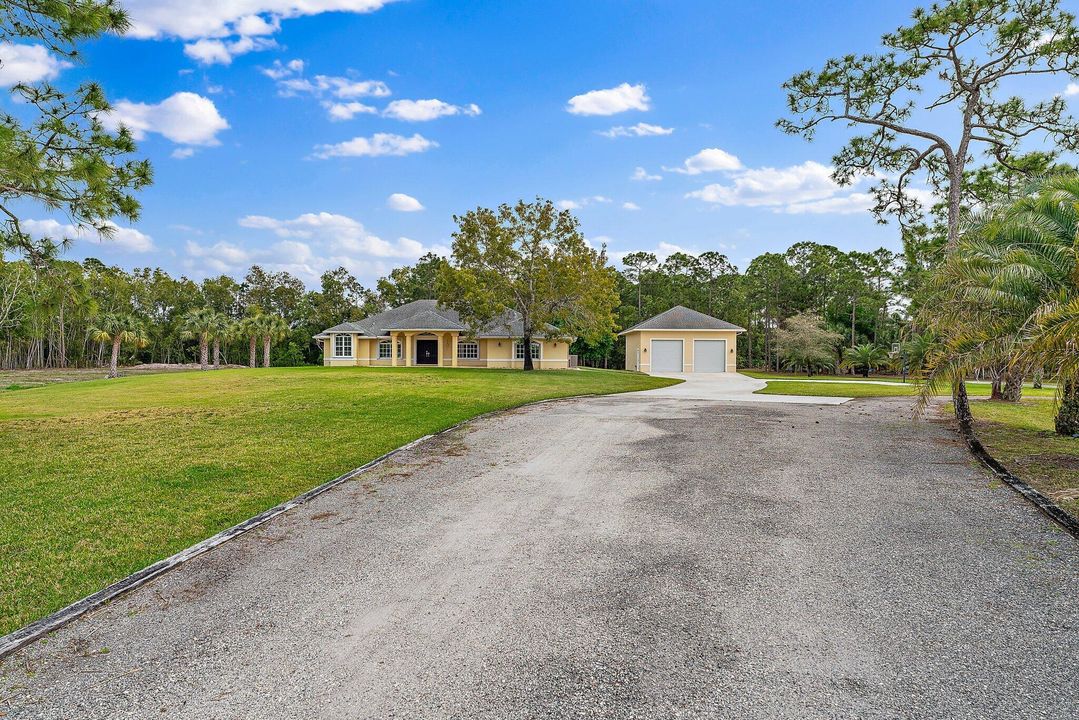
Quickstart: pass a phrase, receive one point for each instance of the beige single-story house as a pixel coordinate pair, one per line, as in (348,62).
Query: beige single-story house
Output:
(425,333)
(681,340)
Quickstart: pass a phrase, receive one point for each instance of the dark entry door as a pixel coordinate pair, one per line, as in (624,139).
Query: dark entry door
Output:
(427,352)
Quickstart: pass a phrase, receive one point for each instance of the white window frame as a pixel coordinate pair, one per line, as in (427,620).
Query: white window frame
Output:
(388,346)
(337,339)
(519,350)
(468,350)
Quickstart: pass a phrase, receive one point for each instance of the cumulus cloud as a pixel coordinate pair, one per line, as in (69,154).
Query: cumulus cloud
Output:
(377,145)
(807,188)
(630,206)
(221,29)
(403,203)
(1071,89)
(184,118)
(638,130)
(708,160)
(306,246)
(183,153)
(28,64)
(125,238)
(346,111)
(191,19)
(582,202)
(335,93)
(210,51)
(611,101)
(772,187)
(424,110)
(642,175)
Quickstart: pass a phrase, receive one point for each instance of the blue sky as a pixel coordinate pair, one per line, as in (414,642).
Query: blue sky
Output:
(279,137)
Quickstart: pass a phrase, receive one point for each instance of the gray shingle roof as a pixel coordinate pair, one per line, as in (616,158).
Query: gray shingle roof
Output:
(429,315)
(682,318)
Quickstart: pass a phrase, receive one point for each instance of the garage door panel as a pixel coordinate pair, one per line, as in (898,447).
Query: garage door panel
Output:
(710,356)
(666,356)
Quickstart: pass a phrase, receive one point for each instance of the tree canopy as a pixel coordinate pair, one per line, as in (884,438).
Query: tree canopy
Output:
(530,258)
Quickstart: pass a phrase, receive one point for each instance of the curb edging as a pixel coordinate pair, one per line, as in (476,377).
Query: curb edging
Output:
(34,631)
(1056,513)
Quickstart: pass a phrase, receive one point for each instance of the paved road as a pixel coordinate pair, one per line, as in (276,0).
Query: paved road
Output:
(624,557)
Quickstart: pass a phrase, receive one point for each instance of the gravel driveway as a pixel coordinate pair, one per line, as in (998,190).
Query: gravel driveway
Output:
(621,557)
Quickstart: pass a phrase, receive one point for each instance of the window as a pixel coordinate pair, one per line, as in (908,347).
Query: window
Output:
(468,350)
(384,348)
(342,346)
(519,350)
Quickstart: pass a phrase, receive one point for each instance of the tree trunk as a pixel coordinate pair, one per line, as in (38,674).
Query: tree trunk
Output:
(252,359)
(1067,418)
(526,341)
(853,306)
(217,354)
(962,406)
(114,370)
(204,352)
(266,351)
(1013,386)
(997,393)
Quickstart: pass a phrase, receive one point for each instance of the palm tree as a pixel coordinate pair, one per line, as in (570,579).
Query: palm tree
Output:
(221,326)
(118,328)
(201,323)
(1008,297)
(865,358)
(269,328)
(249,328)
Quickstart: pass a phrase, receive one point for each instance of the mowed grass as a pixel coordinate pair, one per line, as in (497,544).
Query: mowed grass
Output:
(102,478)
(831,387)
(1021,436)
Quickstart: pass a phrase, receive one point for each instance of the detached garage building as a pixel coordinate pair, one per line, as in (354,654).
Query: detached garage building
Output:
(682,341)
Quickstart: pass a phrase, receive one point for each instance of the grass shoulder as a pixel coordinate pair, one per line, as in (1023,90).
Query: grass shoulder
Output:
(1021,436)
(104,477)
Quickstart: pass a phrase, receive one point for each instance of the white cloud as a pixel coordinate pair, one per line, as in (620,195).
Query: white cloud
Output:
(640,174)
(638,130)
(340,91)
(708,160)
(184,118)
(219,30)
(771,187)
(280,70)
(583,202)
(796,190)
(346,111)
(208,51)
(377,145)
(308,245)
(191,19)
(128,239)
(611,101)
(424,110)
(630,206)
(291,82)
(1072,89)
(28,64)
(403,203)
(183,153)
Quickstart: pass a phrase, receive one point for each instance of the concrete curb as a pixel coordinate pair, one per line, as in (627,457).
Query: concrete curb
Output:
(1040,501)
(29,633)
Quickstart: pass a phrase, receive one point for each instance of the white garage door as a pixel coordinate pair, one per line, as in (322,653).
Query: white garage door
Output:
(666,356)
(709,356)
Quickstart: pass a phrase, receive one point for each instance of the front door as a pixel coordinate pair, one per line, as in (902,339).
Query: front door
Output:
(427,352)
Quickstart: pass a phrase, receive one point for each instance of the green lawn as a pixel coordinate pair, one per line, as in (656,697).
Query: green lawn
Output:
(1021,436)
(830,386)
(102,478)
(835,389)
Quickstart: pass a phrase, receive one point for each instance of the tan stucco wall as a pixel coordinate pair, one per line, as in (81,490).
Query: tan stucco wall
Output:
(494,353)
(641,340)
